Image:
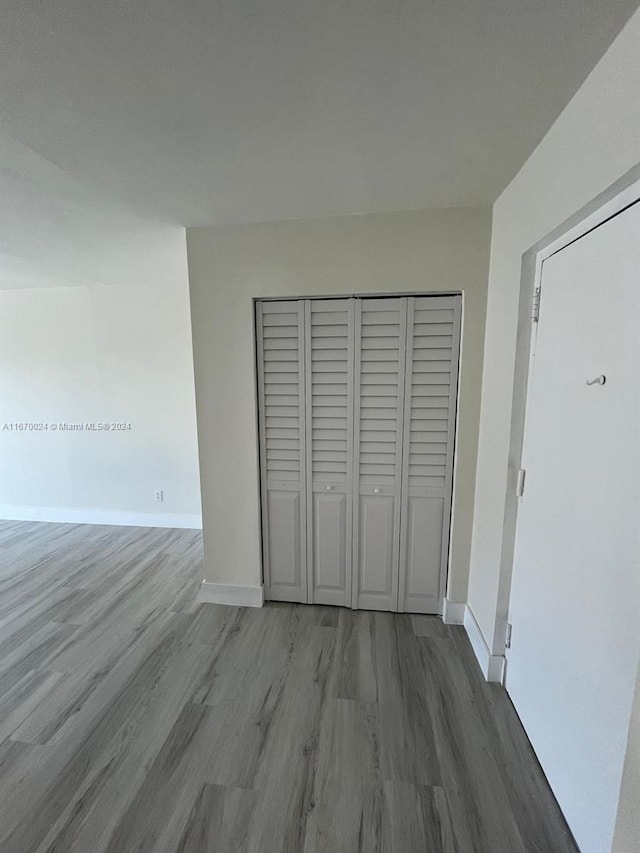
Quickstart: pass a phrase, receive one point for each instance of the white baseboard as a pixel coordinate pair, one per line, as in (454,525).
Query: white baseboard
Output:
(239,596)
(492,666)
(100,516)
(453,612)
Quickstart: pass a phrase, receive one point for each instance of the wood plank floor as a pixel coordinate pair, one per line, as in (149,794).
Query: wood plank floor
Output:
(134,719)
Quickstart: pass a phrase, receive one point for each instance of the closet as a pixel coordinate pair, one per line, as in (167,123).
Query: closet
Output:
(356,408)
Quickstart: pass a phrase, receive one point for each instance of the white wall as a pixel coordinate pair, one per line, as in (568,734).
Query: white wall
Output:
(98,353)
(438,250)
(593,143)
(628,818)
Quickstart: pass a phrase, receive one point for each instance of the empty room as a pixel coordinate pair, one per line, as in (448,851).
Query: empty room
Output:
(320,426)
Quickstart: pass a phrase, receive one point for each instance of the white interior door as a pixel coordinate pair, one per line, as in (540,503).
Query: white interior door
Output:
(380,351)
(329,379)
(281,409)
(431,380)
(575,601)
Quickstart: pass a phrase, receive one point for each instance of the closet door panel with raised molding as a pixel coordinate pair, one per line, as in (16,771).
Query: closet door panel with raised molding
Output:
(431,376)
(380,326)
(329,382)
(280,331)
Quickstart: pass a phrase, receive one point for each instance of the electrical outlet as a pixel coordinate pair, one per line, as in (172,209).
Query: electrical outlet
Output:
(159,495)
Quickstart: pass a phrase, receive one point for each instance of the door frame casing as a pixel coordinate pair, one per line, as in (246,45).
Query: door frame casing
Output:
(612,201)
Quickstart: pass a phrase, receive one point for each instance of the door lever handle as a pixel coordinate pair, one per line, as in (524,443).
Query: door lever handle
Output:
(599,380)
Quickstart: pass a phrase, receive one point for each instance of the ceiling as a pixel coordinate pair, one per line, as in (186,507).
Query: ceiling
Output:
(122,121)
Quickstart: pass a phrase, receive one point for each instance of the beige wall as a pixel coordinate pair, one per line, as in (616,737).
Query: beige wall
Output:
(593,143)
(438,250)
(103,353)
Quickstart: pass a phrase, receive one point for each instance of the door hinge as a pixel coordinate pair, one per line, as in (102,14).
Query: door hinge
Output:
(535,306)
(520,484)
(507,636)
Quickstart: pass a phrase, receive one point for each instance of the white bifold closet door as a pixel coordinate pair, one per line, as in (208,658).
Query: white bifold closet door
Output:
(281,422)
(431,381)
(379,371)
(357,416)
(329,422)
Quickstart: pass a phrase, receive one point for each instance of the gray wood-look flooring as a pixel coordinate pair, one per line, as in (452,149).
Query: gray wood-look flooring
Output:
(134,719)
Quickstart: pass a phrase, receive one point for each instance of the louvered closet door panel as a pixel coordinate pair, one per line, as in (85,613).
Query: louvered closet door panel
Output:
(380,326)
(433,343)
(280,349)
(329,376)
